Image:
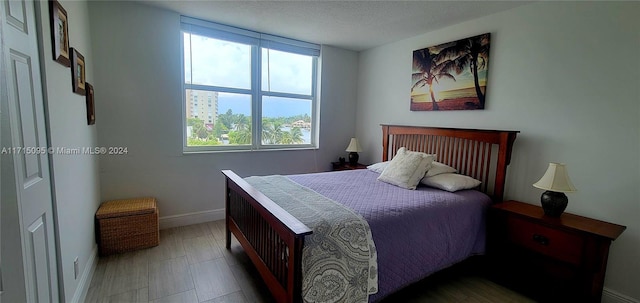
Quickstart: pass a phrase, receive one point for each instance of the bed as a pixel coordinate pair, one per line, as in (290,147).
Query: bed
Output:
(274,239)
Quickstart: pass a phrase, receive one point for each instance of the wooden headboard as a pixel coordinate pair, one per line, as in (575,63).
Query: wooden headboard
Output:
(481,154)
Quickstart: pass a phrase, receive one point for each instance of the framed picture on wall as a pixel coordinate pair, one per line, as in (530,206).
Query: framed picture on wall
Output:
(59,33)
(77,72)
(451,76)
(91,111)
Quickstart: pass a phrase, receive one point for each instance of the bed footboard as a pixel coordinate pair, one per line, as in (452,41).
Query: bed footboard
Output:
(271,237)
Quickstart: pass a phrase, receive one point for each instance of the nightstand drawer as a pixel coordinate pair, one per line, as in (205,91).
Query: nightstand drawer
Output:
(337,166)
(554,243)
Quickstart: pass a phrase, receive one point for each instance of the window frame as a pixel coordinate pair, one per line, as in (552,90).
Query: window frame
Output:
(257,41)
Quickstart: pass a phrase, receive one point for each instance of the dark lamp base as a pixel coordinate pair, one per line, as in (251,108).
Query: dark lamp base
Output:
(353,158)
(553,203)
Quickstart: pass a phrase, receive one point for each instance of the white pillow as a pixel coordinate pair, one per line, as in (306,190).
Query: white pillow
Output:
(439,168)
(451,182)
(378,167)
(406,168)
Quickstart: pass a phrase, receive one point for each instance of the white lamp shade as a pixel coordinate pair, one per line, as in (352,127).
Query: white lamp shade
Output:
(556,179)
(354,146)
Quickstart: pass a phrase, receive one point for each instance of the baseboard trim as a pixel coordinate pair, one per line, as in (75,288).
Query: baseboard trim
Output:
(611,296)
(191,218)
(85,280)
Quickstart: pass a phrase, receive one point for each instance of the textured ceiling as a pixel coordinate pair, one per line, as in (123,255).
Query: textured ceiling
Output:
(354,25)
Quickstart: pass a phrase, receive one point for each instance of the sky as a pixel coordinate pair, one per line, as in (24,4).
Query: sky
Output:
(464,80)
(274,107)
(227,64)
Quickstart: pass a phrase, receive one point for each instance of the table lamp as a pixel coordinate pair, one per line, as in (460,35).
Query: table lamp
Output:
(353,150)
(556,182)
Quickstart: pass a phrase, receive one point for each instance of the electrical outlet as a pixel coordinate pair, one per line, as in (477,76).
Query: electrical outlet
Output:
(75,268)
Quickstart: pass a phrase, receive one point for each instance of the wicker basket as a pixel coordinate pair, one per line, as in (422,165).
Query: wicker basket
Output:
(126,225)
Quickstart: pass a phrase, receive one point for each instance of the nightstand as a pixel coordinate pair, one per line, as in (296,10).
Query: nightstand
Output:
(551,259)
(335,166)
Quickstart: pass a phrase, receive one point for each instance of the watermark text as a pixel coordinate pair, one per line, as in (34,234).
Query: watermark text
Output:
(94,150)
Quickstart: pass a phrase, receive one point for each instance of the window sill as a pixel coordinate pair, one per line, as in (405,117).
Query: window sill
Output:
(189,152)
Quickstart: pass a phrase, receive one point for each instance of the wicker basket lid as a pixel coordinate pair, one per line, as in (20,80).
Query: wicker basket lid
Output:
(126,207)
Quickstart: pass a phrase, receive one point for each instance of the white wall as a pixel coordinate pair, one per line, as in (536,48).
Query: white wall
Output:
(567,75)
(76,184)
(138,106)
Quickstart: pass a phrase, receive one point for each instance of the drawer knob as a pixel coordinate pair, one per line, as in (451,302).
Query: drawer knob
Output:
(540,239)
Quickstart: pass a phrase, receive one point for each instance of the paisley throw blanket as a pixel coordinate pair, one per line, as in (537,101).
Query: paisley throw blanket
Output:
(339,262)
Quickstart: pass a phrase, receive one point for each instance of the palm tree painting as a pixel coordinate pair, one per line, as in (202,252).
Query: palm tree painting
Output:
(451,76)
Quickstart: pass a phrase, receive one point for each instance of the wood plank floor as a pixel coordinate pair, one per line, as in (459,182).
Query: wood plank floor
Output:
(191,264)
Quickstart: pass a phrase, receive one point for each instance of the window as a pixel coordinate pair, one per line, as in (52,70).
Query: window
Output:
(261,89)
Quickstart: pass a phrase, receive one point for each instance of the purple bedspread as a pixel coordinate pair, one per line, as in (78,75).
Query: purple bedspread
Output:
(416,232)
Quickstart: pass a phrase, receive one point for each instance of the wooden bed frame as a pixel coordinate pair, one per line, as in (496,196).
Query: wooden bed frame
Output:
(273,239)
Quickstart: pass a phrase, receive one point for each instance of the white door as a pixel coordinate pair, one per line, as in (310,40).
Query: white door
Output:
(27,133)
